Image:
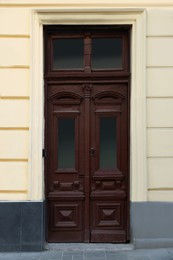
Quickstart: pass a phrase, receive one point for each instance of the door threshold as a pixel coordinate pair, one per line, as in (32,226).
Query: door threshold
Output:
(88,247)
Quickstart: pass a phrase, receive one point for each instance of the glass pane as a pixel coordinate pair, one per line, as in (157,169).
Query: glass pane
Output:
(66,143)
(68,54)
(106,53)
(108,143)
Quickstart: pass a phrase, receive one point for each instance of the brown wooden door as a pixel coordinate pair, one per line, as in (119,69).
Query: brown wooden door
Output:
(87,155)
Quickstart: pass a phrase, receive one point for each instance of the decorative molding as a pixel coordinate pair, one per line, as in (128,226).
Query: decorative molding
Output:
(14,36)
(66,97)
(110,95)
(96,15)
(66,186)
(87,88)
(15,67)
(14,128)
(14,160)
(15,97)
(160,189)
(13,191)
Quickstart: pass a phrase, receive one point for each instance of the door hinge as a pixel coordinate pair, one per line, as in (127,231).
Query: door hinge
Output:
(44,153)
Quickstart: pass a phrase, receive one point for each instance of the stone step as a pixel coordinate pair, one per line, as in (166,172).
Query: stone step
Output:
(88,247)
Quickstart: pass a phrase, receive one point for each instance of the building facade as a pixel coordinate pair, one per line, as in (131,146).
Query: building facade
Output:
(140,93)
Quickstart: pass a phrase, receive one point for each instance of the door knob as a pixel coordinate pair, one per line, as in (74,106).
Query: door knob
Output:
(92,151)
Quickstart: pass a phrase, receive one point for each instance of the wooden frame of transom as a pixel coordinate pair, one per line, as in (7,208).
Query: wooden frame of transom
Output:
(138,158)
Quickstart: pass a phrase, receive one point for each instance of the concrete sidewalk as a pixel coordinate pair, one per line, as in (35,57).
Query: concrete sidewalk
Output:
(147,254)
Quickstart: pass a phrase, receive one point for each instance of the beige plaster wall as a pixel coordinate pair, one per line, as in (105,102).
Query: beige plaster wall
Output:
(14,102)
(15,78)
(160,103)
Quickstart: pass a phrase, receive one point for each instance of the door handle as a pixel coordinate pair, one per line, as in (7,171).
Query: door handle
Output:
(92,152)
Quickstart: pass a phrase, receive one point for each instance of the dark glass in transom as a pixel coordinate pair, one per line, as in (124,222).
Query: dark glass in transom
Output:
(68,54)
(106,53)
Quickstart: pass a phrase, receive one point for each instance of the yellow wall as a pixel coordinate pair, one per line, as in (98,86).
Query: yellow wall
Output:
(160,103)
(15,78)
(14,102)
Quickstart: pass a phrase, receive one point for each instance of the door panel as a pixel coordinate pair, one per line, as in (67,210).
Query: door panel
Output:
(109,176)
(66,176)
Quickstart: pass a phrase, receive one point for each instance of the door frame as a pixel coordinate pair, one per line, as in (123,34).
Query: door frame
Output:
(138,157)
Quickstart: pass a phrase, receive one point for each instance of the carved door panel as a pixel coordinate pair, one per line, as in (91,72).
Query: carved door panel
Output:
(109,164)
(65,163)
(88,162)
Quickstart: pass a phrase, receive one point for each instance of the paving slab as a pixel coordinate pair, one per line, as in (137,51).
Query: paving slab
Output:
(170,251)
(67,257)
(10,256)
(73,253)
(78,257)
(116,256)
(160,254)
(139,258)
(52,255)
(152,254)
(20,256)
(95,255)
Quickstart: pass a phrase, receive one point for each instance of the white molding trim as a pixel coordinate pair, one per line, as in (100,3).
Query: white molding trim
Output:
(138,158)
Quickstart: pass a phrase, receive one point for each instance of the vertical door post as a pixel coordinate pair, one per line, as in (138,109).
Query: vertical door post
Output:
(87,94)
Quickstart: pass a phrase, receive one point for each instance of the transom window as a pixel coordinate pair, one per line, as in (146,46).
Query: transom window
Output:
(86,51)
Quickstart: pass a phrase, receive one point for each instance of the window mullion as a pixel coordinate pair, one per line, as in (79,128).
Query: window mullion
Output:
(87,53)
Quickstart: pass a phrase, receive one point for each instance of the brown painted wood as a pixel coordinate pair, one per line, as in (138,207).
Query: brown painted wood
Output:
(86,203)
(109,188)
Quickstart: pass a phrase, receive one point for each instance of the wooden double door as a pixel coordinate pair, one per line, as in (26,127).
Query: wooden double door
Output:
(87,158)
